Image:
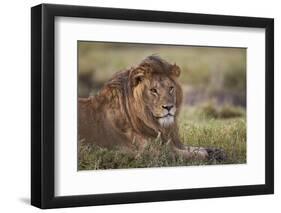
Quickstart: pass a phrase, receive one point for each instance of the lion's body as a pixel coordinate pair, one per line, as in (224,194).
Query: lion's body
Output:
(136,105)
(98,124)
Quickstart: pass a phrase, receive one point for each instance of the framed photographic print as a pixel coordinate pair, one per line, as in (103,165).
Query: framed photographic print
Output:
(139,106)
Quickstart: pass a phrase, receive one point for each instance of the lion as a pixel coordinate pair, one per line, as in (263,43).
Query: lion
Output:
(136,105)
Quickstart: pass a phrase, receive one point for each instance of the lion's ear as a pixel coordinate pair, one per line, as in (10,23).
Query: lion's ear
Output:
(136,76)
(175,71)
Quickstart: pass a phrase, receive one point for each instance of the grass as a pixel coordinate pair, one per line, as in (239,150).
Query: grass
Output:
(196,129)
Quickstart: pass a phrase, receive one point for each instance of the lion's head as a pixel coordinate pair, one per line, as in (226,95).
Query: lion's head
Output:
(154,95)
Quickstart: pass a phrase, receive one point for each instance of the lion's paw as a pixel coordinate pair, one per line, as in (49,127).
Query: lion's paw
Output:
(215,154)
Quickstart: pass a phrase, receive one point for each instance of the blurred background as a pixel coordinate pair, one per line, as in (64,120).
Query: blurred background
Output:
(210,75)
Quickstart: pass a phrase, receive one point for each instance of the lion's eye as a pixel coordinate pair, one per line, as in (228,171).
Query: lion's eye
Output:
(171,89)
(153,90)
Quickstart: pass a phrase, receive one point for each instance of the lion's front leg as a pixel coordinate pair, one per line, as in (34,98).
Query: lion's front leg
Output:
(192,153)
(200,153)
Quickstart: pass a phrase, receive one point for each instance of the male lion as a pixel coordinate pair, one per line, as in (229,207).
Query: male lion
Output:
(137,105)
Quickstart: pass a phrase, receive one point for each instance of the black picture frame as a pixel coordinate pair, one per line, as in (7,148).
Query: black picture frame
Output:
(43,102)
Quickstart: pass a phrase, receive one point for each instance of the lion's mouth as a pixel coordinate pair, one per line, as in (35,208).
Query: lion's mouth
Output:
(165,116)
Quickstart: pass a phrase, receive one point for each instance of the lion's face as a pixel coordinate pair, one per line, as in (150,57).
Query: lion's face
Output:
(157,95)
(160,99)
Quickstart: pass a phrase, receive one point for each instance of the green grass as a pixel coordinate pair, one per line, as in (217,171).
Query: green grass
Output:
(196,129)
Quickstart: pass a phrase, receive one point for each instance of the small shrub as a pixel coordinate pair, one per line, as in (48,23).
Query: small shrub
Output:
(211,110)
(228,111)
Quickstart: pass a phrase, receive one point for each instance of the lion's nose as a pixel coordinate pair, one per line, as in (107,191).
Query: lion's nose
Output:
(167,107)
